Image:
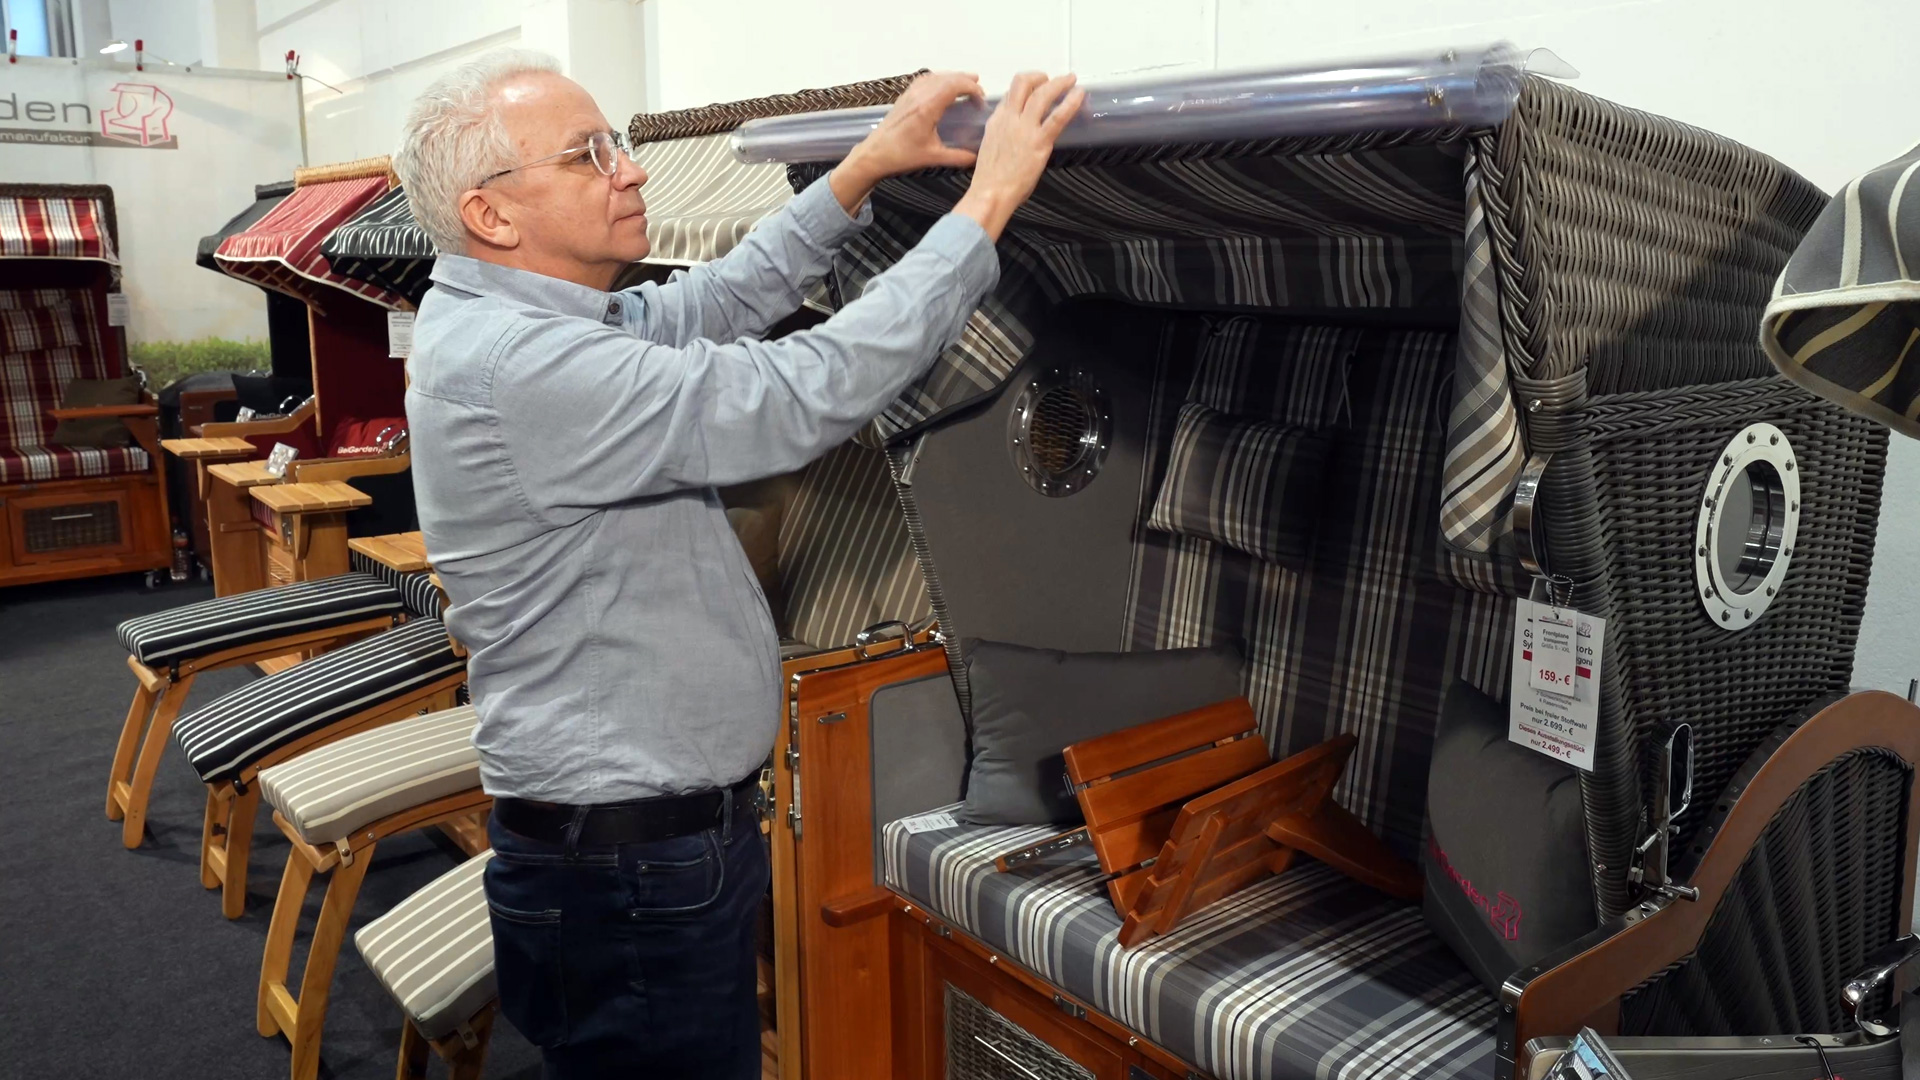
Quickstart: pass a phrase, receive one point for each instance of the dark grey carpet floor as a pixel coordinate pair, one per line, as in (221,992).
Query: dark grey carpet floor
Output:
(116,963)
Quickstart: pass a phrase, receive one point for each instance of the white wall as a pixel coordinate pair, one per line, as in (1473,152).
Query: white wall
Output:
(1825,88)
(382,54)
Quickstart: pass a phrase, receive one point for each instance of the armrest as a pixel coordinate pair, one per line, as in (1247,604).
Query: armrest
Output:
(348,467)
(1582,983)
(281,426)
(94,412)
(856,907)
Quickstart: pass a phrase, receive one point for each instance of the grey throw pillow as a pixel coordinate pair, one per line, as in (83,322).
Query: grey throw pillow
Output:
(1506,854)
(1246,483)
(1029,705)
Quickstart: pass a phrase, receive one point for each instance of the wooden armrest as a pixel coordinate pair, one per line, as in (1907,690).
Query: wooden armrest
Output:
(1582,983)
(279,426)
(226,449)
(310,498)
(348,467)
(95,412)
(405,552)
(842,911)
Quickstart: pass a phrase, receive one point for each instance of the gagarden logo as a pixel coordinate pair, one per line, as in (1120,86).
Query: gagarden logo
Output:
(137,117)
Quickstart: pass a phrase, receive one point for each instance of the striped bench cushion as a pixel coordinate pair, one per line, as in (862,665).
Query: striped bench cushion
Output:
(210,626)
(434,951)
(225,736)
(417,590)
(1304,976)
(329,791)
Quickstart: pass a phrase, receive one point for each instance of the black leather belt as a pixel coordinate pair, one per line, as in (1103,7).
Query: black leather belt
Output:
(640,822)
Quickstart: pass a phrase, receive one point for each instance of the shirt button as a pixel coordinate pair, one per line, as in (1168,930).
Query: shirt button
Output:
(613,308)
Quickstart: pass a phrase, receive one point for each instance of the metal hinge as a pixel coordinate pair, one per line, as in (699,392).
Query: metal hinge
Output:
(1071,1008)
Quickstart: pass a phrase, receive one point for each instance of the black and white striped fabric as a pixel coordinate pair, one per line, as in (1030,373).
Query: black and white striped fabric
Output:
(434,951)
(229,622)
(1845,314)
(226,736)
(1304,976)
(1369,639)
(383,245)
(1249,484)
(1222,226)
(846,560)
(417,590)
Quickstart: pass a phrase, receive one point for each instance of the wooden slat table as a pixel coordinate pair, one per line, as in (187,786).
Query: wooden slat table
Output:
(405,552)
(226,446)
(304,534)
(311,498)
(242,474)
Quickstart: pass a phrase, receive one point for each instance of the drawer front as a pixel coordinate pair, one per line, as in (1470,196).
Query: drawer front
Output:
(984,1045)
(70,526)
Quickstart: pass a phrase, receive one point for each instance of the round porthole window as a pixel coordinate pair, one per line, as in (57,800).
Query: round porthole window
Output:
(1058,431)
(1749,517)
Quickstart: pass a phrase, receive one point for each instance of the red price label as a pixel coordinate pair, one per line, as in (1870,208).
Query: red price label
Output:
(1552,677)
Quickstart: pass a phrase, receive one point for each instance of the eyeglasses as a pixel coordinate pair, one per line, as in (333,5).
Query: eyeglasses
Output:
(604,148)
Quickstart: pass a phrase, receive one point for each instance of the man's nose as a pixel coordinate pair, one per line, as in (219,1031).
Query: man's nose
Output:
(628,173)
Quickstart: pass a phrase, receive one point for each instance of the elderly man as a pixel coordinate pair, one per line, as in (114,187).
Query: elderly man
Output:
(567,443)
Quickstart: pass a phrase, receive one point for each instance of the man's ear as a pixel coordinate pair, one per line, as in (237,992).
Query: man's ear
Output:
(487,222)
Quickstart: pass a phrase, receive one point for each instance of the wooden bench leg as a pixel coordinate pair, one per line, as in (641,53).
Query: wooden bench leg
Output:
(280,933)
(466,1054)
(226,840)
(133,828)
(413,1053)
(316,982)
(122,770)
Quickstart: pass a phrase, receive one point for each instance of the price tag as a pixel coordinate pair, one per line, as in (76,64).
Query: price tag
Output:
(119,309)
(400,334)
(1554,699)
(937,820)
(281,457)
(1552,653)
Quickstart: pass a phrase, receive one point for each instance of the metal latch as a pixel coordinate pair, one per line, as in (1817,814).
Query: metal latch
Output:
(1071,1008)
(1674,769)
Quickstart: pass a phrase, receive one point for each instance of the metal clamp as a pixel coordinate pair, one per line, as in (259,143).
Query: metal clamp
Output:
(1650,858)
(1880,967)
(872,633)
(1047,847)
(1529,523)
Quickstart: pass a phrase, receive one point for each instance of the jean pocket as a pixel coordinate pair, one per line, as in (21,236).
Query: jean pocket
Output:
(526,965)
(682,876)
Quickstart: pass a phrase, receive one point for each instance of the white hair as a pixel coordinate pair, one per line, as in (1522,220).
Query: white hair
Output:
(453,140)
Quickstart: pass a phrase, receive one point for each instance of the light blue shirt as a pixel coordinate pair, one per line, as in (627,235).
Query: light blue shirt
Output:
(566,447)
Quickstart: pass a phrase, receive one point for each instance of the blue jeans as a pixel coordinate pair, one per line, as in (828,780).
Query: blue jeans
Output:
(635,960)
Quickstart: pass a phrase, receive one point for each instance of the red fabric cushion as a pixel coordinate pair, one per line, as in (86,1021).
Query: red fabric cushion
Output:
(18,465)
(364,438)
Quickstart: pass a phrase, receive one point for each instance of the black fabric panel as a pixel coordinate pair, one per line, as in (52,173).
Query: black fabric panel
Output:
(288,339)
(919,745)
(1019,566)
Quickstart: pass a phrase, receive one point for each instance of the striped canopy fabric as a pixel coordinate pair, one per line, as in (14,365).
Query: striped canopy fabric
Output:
(282,250)
(265,198)
(55,226)
(385,247)
(700,202)
(1845,314)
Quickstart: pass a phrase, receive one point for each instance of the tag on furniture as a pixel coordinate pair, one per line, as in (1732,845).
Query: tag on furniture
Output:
(1191,808)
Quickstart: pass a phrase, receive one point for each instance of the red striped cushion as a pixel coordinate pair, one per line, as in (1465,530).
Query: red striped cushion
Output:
(19,465)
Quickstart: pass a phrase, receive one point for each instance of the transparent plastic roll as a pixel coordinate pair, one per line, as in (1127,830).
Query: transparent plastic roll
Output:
(1462,87)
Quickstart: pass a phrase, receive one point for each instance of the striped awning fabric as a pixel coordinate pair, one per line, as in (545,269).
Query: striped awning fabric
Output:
(265,198)
(700,202)
(282,250)
(53,227)
(1845,314)
(385,247)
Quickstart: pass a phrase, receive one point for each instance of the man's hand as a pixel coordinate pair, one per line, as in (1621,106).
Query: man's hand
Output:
(907,139)
(1018,141)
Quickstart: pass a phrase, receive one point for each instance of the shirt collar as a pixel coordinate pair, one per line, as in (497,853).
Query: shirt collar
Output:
(524,287)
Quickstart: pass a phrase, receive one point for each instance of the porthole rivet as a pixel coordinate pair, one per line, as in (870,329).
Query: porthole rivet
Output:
(1728,460)
(1709,498)
(1789,464)
(1773,440)
(1750,436)
(1793,506)
(1703,551)
(1788,553)
(1749,613)
(1725,615)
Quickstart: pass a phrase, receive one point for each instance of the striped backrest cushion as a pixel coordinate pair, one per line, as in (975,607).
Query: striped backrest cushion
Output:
(48,338)
(1245,483)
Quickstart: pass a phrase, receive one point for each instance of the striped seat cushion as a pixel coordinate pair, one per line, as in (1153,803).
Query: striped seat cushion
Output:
(434,951)
(224,737)
(1303,976)
(417,590)
(329,791)
(210,626)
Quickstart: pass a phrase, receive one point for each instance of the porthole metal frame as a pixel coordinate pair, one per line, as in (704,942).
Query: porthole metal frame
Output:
(1095,438)
(1726,607)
